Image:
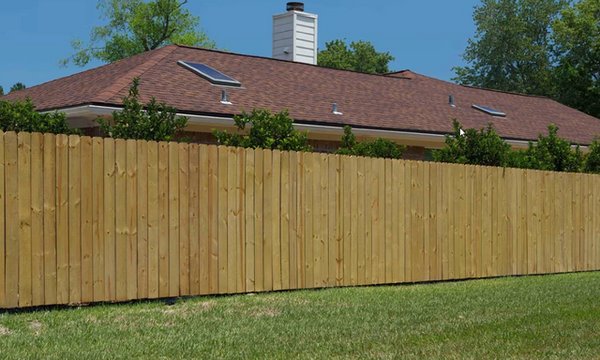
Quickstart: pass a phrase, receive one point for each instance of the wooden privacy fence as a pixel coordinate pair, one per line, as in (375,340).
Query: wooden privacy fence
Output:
(89,219)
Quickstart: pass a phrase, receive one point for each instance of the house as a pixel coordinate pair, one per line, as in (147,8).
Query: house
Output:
(210,87)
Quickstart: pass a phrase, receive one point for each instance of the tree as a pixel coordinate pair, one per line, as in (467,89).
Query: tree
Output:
(136,26)
(511,50)
(153,121)
(472,146)
(266,131)
(361,56)
(18,86)
(378,148)
(577,50)
(1,91)
(552,153)
(21,116)
(592,160)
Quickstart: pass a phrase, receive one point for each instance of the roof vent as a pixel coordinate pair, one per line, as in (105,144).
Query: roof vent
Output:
(488,110)
(335,110)
(295,6)
(225,98)
(451,100)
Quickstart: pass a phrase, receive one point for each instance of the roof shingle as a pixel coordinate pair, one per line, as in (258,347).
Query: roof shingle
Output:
(400,101)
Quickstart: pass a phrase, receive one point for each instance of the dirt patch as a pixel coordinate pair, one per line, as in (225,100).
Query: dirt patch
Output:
(4,331)
(36,327)
(265,312)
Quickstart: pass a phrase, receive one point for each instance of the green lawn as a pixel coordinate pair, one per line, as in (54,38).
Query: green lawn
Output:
(529,317)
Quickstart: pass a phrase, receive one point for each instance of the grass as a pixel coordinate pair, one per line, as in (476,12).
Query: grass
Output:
(555,316)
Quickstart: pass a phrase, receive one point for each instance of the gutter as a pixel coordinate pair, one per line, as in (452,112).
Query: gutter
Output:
(317,132)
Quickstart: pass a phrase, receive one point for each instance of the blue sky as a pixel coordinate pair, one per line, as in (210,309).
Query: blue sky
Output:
(427,36)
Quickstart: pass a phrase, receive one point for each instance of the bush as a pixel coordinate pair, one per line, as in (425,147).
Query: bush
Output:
(377,148)
(475,147)
(153,121)
(267,131)
(592,160)
(21,116)
(553,153)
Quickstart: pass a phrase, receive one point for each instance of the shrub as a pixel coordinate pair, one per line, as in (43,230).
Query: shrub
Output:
(377,148)
(153,121)
(472,146)
(592,160)
(553,153)
(21,116)
(266,131)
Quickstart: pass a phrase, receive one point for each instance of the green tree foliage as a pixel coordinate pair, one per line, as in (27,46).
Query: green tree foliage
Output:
(21,116)
(262,129)
(1,91)
(18,86)
(592,160)
(378,148)
(472,146)
(153,121)
(136,26)
(577,50)
(553,153)
(360,56)
(511,49)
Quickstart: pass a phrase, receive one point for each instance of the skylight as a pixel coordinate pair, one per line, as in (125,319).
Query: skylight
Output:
(212,75)
(489,110)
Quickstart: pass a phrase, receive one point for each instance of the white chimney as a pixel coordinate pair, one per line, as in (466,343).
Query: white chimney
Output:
(295,35)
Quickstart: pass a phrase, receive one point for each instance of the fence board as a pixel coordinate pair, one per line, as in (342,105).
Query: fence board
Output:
(110,261)
(195,262)
(62,219)
(249,220)
(222,218)
(2,227)
(98,241)
(153,220)
(173,249)
(213,225)
(121,238)
(203,221)
(74,219)
(87,261)
(231,221)
(275,238)
(184,220)
(320,249)
(50,230)
(142,219)
(285,220)
(37,220)
(360,226)
(259,284)
(12,227)
(24,216)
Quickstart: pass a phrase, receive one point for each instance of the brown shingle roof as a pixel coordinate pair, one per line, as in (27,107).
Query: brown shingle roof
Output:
(399,101)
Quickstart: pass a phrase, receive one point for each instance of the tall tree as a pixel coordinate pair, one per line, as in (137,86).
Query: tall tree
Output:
(577,50)
(360,56)
(18,86)
(1,90)
(511,49)
(136,26)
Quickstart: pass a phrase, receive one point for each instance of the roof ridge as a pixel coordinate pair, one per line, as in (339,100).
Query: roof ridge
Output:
(285,61)
(471,86)
(137,71)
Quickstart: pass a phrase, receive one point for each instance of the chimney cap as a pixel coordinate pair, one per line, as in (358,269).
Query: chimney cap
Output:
(295,6)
